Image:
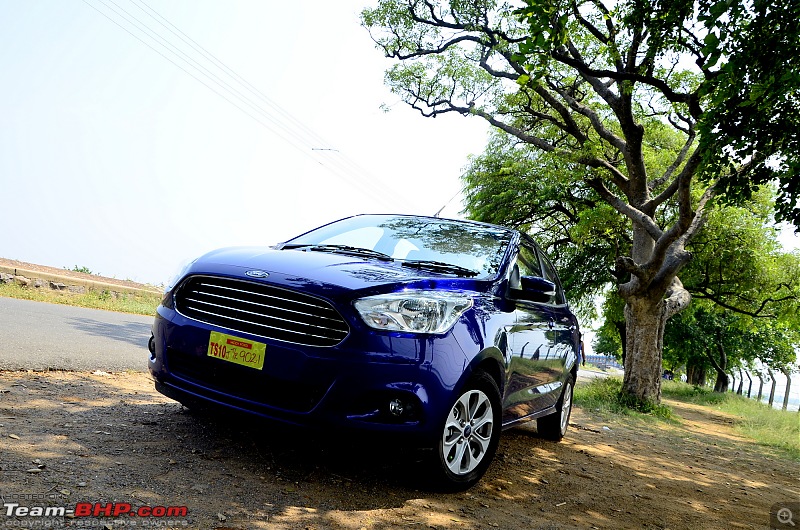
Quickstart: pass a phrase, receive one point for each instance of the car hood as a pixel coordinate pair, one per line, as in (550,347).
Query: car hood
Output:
(324,273)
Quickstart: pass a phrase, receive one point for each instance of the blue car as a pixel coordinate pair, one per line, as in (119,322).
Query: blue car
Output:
(437,332)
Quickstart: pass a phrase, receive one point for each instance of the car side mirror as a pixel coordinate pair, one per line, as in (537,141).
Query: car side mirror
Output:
(534,288)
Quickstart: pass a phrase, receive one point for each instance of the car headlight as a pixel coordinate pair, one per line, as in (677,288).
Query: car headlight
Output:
(413,311)
(178,274)
(166,300)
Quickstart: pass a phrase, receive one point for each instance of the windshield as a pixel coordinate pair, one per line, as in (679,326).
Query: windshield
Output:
(472,246)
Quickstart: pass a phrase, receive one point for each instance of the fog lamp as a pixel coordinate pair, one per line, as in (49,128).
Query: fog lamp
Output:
(397,407)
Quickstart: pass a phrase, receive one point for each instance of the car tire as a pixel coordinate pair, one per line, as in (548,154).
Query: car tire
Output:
(469,434)
(554,426)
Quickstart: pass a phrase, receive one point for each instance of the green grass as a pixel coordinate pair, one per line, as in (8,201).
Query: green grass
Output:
(691,394)
(138,303)
(768,427)
(603,395)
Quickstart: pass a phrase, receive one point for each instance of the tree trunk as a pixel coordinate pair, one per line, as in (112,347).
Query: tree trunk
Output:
(750,383)
(760,385)
(646,314)
(772,391)
(741,382)
(721,365)
(622,338)
(696,374)
(721,384)
(645,320)
(788,375)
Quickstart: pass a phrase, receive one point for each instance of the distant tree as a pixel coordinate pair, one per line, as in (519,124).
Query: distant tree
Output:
(587,83)
(729,341)
(685,346)
(84,270)
(738,263)
(787,371)
(611,334)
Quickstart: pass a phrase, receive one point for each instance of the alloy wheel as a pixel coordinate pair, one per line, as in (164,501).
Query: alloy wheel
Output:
(468,432)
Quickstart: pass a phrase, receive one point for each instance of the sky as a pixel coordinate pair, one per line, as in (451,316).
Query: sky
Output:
(138,134)
(255,122)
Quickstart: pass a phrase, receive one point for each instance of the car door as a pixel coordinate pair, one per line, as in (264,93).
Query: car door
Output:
(564,326)
(531,366)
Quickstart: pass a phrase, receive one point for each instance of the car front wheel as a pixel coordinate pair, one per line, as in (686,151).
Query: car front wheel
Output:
(470,434)
(554,426)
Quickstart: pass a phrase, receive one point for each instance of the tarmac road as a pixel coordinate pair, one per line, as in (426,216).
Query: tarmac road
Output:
(41,336)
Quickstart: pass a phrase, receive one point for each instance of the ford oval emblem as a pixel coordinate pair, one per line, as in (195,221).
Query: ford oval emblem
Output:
(257,274)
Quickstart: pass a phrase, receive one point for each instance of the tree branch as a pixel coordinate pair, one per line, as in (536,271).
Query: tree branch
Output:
(637,216)
(691,99)
(656,183)
(677,298)
(594,119)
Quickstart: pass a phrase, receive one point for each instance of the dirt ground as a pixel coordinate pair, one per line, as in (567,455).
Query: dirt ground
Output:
(68,438)
(15,264)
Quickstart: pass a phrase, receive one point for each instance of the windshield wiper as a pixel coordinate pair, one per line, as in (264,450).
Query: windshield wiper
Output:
(343,249)
(440,266)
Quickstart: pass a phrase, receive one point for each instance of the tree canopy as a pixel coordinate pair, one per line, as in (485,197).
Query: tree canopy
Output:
(594,87)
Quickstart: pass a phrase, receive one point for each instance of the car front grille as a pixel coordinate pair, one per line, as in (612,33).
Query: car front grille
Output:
(261,309)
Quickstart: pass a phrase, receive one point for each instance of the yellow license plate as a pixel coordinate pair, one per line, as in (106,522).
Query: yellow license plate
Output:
(237,350)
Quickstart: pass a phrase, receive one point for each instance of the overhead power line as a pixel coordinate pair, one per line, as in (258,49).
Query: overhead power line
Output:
(167,40)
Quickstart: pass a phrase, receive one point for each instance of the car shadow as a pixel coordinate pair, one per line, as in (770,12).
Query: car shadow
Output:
(129,332)
(299,455)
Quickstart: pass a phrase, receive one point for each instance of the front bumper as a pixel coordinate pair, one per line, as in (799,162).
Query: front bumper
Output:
(350,386)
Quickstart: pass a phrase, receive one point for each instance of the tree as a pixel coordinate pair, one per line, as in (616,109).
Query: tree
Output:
(749,383)
(511,185)
(587,84)
(738,263)
(755,88)
(787,371)
(729,341)
(611,335)
(760,375)
(772,389)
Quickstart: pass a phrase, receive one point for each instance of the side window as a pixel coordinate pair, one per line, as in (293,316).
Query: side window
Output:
(527,265)
(528,262)
(550,274)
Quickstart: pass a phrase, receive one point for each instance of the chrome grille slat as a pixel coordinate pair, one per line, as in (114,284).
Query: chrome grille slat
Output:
(248,322)
(261,309)
(266,295)
(264,305)
(251,313)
